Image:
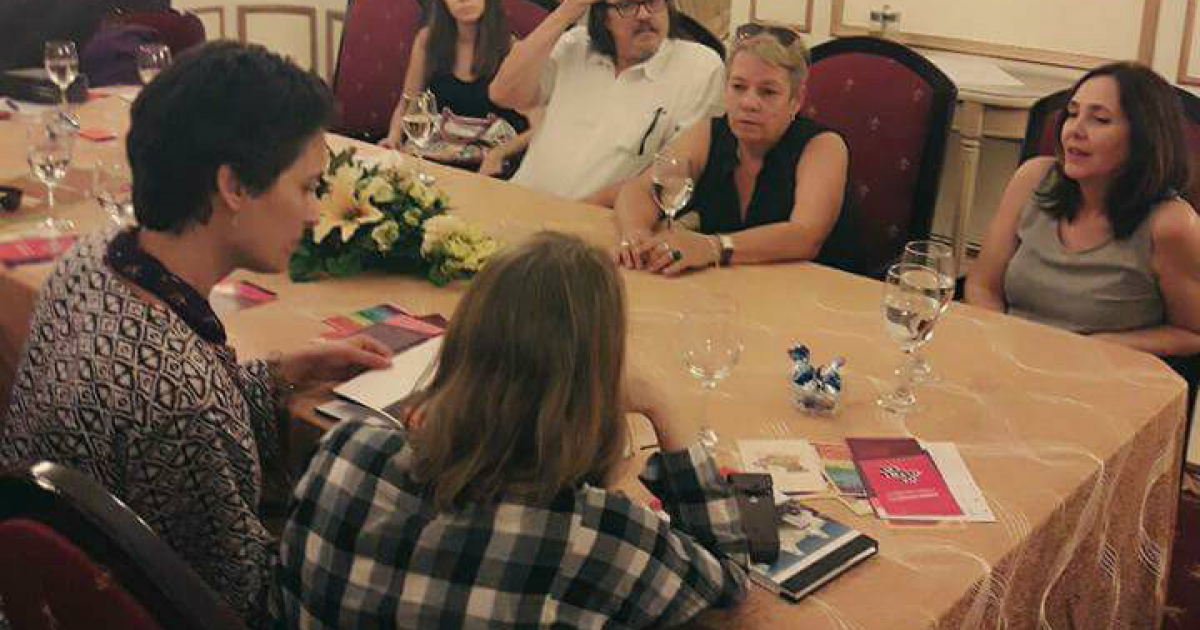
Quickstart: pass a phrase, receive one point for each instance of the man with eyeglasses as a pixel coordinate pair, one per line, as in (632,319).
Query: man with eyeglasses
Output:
(614,91)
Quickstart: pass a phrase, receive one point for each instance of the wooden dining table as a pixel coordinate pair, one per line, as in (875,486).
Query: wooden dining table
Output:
(1075,443)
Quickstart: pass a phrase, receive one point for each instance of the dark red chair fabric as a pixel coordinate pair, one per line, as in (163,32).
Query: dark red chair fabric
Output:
(893,107)
(76,558)
(376,41)
(525,15)
(179,31)
(58,586)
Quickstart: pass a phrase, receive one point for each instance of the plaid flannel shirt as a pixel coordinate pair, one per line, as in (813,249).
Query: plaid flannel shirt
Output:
(364,548)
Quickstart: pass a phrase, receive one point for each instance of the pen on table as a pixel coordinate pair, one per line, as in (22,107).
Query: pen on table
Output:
(12,105)
(646,136)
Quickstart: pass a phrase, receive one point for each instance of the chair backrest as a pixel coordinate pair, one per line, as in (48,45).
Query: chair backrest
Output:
(373,57)
(686,27)
(180,31)
(893,107)
(1042,126)
(87,561)
(377,38)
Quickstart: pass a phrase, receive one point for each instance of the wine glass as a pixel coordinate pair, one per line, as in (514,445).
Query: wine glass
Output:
(51,143)
(671,178)
(62,64)
(112,186)
(940,258)
(912,303)
(151,60)
(419,120)
(711,349)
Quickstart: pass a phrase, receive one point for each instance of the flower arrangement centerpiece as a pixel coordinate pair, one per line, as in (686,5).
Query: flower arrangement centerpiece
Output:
(375,216)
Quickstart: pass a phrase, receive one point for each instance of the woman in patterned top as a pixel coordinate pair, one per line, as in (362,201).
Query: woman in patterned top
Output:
(493,508)
(126,374)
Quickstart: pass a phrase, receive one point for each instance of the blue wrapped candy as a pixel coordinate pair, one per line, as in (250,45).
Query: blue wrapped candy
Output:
(816,389)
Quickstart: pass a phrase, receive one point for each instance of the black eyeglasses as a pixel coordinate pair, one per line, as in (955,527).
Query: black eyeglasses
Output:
(629,8)
(782,34)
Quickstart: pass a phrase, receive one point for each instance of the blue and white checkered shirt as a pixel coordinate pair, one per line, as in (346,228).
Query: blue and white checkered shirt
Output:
(364,548)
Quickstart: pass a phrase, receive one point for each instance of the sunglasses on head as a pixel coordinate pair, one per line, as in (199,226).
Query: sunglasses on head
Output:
(782,34)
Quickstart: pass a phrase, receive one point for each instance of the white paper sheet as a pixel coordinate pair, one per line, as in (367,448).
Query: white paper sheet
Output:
(378,389)
(962,485)
(793,464)
(967,71)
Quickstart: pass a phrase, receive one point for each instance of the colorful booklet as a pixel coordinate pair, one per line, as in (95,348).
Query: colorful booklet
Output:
(814,549)
(793,464)
(230,296)
(34,249)
(909,487)
(839,466)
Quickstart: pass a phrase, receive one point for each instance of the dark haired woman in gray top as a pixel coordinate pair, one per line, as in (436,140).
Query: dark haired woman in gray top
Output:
(1097,239)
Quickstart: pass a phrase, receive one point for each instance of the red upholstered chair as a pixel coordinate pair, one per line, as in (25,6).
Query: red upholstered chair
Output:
(376,40)
(894,109)
(525,15)
(75,557)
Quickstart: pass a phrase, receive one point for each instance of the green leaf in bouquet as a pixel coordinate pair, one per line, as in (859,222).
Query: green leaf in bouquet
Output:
(348,263)
(304,265)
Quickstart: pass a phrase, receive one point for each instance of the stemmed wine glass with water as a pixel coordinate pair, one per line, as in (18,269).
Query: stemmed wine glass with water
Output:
(112,186)
(671,177)
(50,146)
(62,64)
(151,60)
(940,258)
(712,347)
(419,120)
(913,296)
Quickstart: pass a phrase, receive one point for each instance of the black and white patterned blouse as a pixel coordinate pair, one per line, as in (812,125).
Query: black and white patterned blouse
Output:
(365,548)
(124,390)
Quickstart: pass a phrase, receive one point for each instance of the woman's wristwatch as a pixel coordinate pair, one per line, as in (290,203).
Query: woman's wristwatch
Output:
(726,242)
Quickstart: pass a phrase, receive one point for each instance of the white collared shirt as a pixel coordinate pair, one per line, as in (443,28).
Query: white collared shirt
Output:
(600,128)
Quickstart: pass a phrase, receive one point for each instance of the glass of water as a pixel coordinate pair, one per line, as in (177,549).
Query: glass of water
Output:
(112,186)
(671,178)
(419,120)
(49,150)
(712,347)
(912,303)
(940,258)
(151,60)
(62,64)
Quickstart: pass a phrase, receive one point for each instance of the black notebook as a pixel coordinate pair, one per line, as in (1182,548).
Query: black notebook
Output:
(814,549)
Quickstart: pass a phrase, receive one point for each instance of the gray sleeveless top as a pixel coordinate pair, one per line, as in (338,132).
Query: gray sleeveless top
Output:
(1110,287)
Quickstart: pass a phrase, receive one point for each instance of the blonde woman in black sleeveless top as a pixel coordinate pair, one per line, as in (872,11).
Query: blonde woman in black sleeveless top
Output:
(770,184)
(1097,239)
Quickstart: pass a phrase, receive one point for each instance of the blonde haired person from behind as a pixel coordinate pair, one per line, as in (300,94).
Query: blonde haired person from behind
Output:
(1096,239)
(770,184)
(493,508)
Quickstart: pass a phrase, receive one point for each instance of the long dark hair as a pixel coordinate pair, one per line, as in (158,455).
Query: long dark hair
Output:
(492,41)
(1157,168)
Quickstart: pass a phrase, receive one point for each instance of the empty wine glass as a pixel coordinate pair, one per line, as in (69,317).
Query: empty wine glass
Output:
(671,178)
(912,303)
(151,60)
(711,349)
(49,150)
(62,64)
(419,120)
(112,186)
(940,258)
